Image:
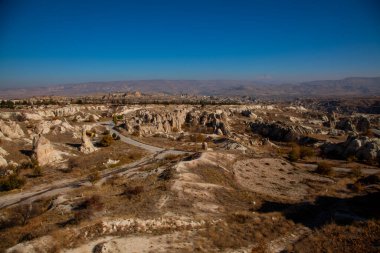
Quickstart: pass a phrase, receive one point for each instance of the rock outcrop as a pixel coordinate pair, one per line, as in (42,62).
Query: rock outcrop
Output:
(11,130)
(330,120)
(3,162)
(363,124)
(359,124)
(54,126)
(3,152)
(249,113)
(362,148)
(44,152)
(217,121)
(87,146)
(279,131)
(150,122)
(346,125)
(146,122)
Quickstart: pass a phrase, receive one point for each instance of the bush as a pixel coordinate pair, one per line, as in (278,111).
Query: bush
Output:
(136,134)
(115,137)
(71,165)
(81,215)
(37,171)
(94,177)
(356,172)
(369,133)
(130,191)
(324,168)
(371,179)
(24,165)
(295,153)
(106,141)
(306,152)
(357,187)
(351,158)
(11,182)
(94,203)
(197,138)
(167,174)
(91,118)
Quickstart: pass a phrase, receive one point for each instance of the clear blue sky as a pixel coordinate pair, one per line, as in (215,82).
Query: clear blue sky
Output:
(52,42)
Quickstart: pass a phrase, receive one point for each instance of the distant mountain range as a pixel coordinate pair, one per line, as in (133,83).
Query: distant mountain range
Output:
(354,86)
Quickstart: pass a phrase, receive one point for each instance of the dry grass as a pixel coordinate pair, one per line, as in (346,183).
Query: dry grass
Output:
(358,237)
(214,175)
(242,229)
(11,182)
(27,222)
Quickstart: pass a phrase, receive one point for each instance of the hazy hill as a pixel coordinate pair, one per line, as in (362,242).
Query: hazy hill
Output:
(357,86)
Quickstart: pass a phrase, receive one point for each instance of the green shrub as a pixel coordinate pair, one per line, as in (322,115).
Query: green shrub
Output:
(351,158)
(356,172)
(94,203)
(295,153)
(324,168)
(306,152)
(129,191)
(94,177)
(115,136)
(106,141)
(37,171)
(11,182)
(197,138)
(357,187)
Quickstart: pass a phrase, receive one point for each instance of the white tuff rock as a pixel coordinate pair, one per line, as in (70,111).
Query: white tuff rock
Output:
(44,151)
(87,146)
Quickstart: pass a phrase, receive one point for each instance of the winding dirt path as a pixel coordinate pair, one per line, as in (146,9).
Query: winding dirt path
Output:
(62,186)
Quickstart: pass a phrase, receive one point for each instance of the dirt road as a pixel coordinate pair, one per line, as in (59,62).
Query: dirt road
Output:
(62,186)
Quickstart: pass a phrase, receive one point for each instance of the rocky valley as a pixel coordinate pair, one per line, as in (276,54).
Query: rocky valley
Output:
(99,174)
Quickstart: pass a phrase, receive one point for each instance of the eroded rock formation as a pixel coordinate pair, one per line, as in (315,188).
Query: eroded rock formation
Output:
(44,152)
(279,131)
(87,146)
(362,148)
(11,130)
